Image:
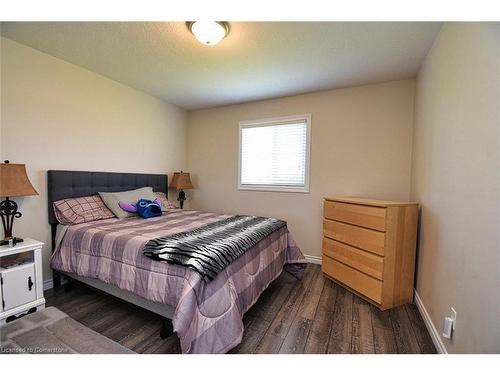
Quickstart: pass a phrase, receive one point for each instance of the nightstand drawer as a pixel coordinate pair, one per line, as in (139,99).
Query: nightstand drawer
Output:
(18,285)
(366,239)
(361,260)
(362,283)
(363,216)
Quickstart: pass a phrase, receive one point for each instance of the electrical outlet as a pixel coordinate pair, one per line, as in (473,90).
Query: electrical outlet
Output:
(454,317)
(449,324)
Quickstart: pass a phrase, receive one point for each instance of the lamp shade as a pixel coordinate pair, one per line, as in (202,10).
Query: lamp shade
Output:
(14,181)
(181,180)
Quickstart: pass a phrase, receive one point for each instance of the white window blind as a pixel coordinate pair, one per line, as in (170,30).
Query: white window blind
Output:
(274,154)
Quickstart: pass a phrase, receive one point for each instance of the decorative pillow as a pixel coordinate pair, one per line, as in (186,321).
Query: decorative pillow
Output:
(144,208)
(112,199)
(81,210)
(147,208)
(165,203)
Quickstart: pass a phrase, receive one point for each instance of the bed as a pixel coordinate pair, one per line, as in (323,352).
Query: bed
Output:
(108,255)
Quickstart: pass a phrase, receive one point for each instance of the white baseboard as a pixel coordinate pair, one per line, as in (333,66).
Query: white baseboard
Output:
(436,337)
(313,259)
(49,284)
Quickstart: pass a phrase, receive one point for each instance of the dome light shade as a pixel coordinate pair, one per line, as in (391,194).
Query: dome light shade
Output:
(209,32)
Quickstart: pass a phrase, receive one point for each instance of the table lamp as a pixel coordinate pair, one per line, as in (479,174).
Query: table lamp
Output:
(180,181)
(13,183)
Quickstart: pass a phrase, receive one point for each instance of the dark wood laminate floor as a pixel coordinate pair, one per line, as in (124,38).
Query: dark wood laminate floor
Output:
(314,315)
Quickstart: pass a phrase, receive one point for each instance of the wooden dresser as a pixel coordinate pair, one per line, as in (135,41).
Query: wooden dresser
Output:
(369,247)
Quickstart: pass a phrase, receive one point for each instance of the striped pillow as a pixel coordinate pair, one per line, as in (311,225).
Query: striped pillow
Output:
(81,210)
(165,203)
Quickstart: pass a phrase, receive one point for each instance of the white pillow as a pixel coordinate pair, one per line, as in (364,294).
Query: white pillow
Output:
(131,196)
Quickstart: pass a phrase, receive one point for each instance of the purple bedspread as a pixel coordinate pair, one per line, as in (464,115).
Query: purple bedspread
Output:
(208,316)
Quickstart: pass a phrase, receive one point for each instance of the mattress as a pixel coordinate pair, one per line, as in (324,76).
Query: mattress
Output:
(208,315)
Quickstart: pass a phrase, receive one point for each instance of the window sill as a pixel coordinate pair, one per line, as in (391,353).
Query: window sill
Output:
(276,189)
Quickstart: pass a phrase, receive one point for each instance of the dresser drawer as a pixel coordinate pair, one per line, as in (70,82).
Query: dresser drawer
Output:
(363,216)
(364,284)
(361,260)
(365,239)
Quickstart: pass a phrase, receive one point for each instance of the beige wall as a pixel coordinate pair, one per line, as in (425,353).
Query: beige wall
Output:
(1,158)
(361,145)
(456,174)
(56,115)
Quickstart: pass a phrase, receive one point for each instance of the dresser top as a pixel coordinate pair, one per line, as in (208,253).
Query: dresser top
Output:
(370,202)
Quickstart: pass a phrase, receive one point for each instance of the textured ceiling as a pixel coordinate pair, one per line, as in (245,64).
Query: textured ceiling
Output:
(257,60)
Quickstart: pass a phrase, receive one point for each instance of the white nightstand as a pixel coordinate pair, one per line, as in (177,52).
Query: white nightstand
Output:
(21,289)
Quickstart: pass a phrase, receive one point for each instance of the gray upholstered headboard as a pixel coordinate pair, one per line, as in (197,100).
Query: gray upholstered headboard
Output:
(73,184)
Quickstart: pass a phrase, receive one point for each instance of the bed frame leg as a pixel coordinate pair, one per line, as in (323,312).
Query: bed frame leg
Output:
(68,286)
(167,329)
(56,280)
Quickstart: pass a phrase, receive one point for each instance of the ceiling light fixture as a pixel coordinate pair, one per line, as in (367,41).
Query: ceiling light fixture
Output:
(209,32)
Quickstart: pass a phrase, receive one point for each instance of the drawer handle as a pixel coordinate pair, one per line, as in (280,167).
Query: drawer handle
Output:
(30,283)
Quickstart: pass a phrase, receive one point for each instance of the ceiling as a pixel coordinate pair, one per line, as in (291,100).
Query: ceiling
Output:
(257,60)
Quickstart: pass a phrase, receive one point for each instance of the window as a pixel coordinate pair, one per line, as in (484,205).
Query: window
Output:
(274,154)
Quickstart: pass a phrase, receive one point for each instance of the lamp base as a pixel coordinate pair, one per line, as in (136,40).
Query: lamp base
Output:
(15,241)
(8,212)
(181,198)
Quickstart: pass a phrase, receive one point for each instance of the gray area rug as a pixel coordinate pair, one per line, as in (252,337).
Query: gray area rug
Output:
(50,331)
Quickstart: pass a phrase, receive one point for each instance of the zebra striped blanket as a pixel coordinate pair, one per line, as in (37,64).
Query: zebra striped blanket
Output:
(210,249)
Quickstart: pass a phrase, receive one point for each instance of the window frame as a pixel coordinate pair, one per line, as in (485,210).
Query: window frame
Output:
(271,122)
